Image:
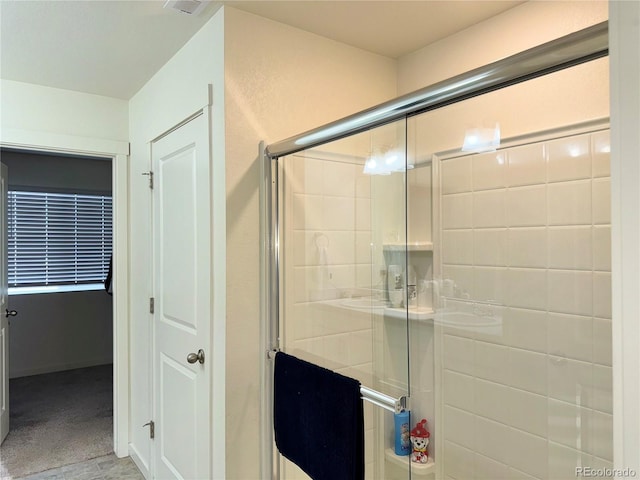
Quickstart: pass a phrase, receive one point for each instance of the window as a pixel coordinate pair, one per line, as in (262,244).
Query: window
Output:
(58,239)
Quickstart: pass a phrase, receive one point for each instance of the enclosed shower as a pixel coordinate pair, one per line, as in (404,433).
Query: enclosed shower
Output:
(451,251)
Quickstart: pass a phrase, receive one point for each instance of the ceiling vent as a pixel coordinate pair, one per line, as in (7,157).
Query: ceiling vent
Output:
(190,7)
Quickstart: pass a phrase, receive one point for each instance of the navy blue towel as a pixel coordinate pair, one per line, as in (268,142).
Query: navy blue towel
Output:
(318,419)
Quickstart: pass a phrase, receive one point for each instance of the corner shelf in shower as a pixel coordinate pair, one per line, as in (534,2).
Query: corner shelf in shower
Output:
(417,469)
(410,247)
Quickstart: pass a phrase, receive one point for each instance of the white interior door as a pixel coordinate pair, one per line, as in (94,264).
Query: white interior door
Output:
(4,307)
(182,289)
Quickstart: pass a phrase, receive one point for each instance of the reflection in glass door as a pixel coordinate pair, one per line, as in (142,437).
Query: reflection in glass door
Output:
(344,276)
(522,262)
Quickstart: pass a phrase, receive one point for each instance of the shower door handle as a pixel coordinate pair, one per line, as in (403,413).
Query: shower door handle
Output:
(196,357)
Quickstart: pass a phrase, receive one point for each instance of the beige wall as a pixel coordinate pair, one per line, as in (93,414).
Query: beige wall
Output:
(579,94)
(554,101)
(513,31)
(279,81)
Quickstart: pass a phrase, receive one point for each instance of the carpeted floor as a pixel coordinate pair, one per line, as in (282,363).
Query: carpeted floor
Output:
(58,419)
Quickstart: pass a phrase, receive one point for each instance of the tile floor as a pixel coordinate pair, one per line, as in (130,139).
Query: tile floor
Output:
(108,467)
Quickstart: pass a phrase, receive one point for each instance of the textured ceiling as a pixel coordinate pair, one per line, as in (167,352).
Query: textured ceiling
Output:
(114,47)
(108,48)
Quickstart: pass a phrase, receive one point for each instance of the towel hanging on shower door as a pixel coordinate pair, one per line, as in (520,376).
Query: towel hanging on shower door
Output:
(318,419)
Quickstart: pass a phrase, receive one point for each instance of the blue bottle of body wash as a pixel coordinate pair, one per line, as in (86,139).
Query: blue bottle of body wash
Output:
(402,433)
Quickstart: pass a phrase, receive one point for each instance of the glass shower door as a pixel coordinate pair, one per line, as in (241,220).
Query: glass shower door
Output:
(344,275)
(522,270)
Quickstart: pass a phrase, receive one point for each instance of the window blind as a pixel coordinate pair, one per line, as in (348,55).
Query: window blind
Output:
(57,238)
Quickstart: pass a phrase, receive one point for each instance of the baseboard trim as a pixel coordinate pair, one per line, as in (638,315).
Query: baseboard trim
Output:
(142,466)
(27,372)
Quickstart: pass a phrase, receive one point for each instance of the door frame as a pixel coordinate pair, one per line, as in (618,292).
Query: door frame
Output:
(625,227)
(119,153)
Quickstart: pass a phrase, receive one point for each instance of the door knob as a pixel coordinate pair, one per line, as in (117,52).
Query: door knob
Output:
(196,357)
(10,313)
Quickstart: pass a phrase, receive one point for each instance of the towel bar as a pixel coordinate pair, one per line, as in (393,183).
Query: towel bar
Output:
(395,405)
(382,400)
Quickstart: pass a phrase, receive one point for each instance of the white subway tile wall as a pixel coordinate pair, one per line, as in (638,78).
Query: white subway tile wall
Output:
(528,228)
(327,237)
(489,171)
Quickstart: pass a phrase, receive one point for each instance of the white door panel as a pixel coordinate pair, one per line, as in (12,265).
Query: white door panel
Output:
(4,306)
(177,430)
(182,287)
(178,234)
